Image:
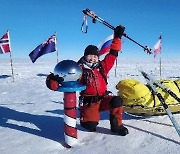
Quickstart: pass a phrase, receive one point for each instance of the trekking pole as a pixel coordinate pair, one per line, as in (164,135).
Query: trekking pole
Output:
(162,100)
(97,18)
(164,88)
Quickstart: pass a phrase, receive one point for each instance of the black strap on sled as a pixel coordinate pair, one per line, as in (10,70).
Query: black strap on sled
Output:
(176,85)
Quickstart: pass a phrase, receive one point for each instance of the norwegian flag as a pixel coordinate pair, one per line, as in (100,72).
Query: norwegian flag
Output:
(5,43)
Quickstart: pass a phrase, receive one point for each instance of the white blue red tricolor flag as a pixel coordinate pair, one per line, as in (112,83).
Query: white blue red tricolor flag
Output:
(157,47)
(104,47)
(5,43)
(46,47)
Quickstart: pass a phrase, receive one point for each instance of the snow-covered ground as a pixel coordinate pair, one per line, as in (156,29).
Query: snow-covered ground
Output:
(31,116)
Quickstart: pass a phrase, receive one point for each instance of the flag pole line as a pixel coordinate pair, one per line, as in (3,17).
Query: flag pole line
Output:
(10,57)
(160,67)
(57,53)
(11,67)
(160,58)
(116,68)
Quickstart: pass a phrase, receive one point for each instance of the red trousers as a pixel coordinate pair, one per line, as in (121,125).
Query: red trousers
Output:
(91,112)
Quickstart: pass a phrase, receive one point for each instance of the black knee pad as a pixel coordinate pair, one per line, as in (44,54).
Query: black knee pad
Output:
(116,101)
(90,126)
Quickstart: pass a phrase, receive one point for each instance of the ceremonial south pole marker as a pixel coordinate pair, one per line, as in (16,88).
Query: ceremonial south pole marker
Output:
(70,130)
(71,73)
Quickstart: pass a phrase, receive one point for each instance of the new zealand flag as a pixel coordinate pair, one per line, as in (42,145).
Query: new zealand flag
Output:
(47,47)
(5,43)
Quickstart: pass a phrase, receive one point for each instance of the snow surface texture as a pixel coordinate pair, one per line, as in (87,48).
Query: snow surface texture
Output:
(31,115)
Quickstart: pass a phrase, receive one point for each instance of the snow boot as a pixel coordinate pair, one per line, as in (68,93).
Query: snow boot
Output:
(89,126)
(115,128)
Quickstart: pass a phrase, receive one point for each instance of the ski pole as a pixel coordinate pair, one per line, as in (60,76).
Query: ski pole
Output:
(164,88)
(169,113)
(97,18)
(161,99)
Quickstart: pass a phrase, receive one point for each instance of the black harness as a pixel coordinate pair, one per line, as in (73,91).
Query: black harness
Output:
(93,99)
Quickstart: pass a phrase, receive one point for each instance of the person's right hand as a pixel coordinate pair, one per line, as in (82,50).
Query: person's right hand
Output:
(53,81)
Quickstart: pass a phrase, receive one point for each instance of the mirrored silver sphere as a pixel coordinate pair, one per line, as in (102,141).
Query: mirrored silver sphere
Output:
(69,70)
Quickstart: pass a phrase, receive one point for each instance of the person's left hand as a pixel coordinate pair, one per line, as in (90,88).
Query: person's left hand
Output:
(118,31)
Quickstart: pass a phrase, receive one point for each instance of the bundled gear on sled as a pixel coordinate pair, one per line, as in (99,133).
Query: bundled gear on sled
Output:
(139,99)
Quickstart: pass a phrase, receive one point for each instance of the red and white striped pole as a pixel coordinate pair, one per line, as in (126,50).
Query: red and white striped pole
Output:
(70,130)
(70,72)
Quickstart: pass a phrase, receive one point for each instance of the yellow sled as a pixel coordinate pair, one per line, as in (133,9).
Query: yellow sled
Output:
(139,99)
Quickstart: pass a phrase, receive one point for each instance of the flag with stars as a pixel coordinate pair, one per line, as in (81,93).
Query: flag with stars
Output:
(46,47)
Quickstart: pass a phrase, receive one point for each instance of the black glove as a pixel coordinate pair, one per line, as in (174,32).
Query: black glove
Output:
(118,31)
(53,81)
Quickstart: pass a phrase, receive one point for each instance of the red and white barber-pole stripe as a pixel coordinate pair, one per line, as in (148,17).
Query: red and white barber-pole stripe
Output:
(70,130)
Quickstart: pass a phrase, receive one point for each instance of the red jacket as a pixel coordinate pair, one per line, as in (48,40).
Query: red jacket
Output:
(95,83)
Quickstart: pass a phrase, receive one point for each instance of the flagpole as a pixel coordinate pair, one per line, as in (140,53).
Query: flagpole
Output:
(160,67)
(57,54)
(11,57)
(116,69)
(160,73)
(11,67)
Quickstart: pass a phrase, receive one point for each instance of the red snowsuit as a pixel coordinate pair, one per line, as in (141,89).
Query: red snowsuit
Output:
(95,97)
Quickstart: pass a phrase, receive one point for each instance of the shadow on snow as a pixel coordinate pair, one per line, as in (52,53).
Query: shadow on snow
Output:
(42,75)
(4,76)
(50,127)
(154,134)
